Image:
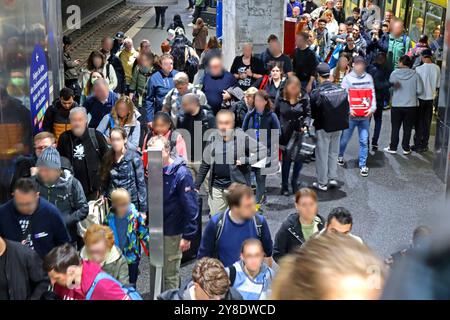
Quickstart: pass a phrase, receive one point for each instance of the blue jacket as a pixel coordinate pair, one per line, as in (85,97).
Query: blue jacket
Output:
(98,110)
(129,174)
(291,5)
(213,88)
(47,226)
(233,235)
(180,201)
(157,88)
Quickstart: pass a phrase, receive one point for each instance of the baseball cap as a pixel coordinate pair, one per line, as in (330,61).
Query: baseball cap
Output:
(427,53)
(323,69)
(119,35)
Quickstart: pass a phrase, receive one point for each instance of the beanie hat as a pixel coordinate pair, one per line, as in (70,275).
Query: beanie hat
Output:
(49,158)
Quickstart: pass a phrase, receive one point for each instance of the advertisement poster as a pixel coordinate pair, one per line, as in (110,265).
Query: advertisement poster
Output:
(39,87)
(360,100)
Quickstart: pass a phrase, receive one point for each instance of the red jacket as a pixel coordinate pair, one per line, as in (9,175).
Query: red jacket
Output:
(104,290)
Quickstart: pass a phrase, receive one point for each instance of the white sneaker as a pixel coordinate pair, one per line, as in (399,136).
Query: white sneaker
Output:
(388,150)
(333,183)
(364,171)
(321,187)
(341,161)
(406,152)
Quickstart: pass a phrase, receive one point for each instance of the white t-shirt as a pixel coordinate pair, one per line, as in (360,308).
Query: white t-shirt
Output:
(431,78)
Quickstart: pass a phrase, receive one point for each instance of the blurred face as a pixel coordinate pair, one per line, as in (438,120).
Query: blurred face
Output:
(342,29)
(95,76)
(215,67)
(356,32)
(397,28)
(189,107)
(67,104)
(247,50)
(101,92)
(182,88)
(350,43)
(336,227)
(41,145)
(225,124)
(330,4)
(293,90)
(121,206)
(307,208)
(253,257)
(117,142)
(98,251)
(275,73)
(322,25)
(343,63)
(26,202)
(356,15)
(349,29)
(167,65)
(300,42)
(359,68)
(296,12)
(436,34)
(49,176)
(275,47)
(97,62)
(385,28)
(419,23)
(329,17)
(107,45)
(260,103)
(78,123)
(66,280)
(339,5)
(388,15)
(128,45)
(122,110)
(250,100)
(381,60)
(160,127)
(145,47)
(246,209)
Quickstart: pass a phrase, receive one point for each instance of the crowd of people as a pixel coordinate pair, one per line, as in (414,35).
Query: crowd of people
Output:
(76,226)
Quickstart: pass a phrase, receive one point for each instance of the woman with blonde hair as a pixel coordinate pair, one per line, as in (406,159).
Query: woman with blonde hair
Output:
(332,25)
(99,248)
(124,115)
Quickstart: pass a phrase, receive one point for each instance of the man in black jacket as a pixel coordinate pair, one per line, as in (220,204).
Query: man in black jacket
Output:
(329,109)
(304,62)
(21,274)
(209,282)
(85,149)
(114,61)
(228,158)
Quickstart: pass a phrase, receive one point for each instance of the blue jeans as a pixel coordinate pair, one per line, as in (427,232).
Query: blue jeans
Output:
(363,125)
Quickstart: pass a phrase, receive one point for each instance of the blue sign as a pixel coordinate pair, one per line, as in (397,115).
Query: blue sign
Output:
(219,25)
(39,87)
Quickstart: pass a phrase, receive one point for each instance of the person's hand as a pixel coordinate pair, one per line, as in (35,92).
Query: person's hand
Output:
(238,163)
(397,85)
(309,87)
(368,113)
(143,215)
(185,245)
(226,96)
(77,61)
(352,113)
(34,171)
(249,73)
(150,125)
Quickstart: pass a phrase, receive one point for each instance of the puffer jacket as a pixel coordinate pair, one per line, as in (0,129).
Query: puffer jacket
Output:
(68,196)
(136,234)
(129,174)
(56,119)
(292,117)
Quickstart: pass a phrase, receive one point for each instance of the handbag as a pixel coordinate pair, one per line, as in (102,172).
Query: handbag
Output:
(301,147)
(97,213)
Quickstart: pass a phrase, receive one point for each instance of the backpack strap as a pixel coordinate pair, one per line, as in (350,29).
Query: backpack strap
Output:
(258,225)
(93,137)
(232,274)
(101,276)
(219,229)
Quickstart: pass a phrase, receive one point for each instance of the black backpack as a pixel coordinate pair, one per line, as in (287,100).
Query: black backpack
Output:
(334,108)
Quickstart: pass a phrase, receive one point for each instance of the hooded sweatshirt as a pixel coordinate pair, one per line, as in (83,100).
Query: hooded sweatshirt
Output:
(364,81)
(411,87)
(104,290)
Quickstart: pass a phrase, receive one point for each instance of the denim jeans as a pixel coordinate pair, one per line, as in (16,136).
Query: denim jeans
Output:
(363,125)
(285,170)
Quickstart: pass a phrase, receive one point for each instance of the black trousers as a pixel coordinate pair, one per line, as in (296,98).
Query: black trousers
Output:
(423,123)
(197,14)
(402,117)
(160,15)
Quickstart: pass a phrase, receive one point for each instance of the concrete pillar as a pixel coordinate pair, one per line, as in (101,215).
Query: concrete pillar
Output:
(250,21)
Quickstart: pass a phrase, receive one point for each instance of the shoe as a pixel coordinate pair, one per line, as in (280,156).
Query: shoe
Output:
(155,27)
(285,192)
(406,152)
(341,161)
(374,147)
(425,149)
(162,27)
(415,148)
(364,171)
(386,107)
(321,187)
(333,183)
(389,150)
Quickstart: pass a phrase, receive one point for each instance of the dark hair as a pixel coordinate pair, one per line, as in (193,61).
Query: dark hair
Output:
(276,64)
(26,185)
(423,39)
(164,117)
(349,22)
(322,20)
(89,85)
(406,61)
(108,158)
(213,43)
(59,259)
(342,215)
(92,56)
(264,95)
(67,40)
(236,192)
(271,38)
(66,94)
(356,10)
(251,242)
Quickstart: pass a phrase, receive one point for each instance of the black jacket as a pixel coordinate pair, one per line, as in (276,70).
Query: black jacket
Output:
(181,294)
(292,117)
(56,114)
(115,62)
(93,157)
(24,273)
(290,236)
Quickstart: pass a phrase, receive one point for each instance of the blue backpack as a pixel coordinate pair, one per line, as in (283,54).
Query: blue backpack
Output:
(129,291)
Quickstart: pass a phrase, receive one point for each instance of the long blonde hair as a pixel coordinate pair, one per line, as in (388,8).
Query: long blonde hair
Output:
(131,112)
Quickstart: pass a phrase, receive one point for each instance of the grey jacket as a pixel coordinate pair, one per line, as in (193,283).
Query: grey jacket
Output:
(364,81)
(68,196)
(410,87)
